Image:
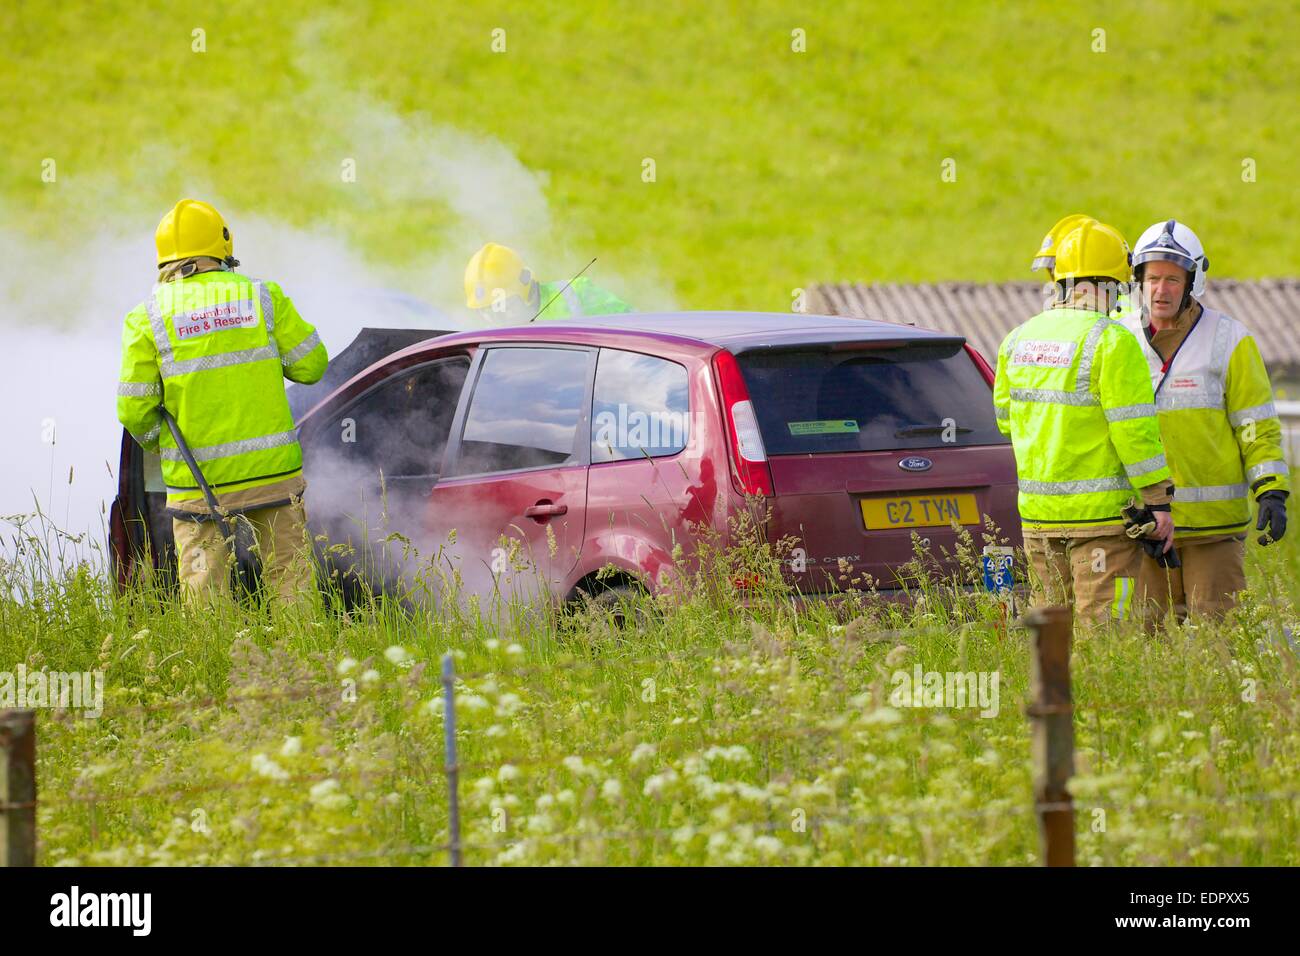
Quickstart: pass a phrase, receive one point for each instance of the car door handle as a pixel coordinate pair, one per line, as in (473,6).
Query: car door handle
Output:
(545,509)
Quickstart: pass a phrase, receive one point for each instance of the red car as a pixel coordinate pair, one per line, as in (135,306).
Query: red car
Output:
(540,455)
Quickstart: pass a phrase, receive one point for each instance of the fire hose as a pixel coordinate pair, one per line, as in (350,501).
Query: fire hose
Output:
(238,540)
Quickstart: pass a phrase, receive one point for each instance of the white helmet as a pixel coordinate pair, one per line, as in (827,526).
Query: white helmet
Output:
(1171,241)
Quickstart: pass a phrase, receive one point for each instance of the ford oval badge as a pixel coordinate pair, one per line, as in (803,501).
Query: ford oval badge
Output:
(916,463)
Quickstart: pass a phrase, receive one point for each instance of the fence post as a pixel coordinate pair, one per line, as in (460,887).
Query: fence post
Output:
(453,770)
(1052,713)
(17,788)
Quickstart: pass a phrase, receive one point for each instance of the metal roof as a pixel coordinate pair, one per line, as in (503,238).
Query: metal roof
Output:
(985,312)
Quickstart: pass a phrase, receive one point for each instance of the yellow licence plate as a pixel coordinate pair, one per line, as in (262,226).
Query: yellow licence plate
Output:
(919,511)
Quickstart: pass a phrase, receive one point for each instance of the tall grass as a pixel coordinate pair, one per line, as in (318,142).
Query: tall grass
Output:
(721,721)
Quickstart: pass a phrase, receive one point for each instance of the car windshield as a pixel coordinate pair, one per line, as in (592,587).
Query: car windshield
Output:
(896,396)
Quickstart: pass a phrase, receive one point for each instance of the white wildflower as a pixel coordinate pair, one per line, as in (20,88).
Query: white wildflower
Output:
(655,785)
(328,795)
(264,766)
(882,715)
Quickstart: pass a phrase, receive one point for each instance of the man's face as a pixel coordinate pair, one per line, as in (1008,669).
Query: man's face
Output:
(1163,284)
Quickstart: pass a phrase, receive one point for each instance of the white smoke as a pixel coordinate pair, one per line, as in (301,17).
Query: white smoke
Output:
(63,298)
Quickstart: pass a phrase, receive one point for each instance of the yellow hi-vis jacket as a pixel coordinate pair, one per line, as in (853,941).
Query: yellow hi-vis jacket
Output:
(1072,394)
(1218,422)
(214,349)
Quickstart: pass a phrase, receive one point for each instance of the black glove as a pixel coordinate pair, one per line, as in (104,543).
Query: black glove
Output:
(1272,512)
(1140,522)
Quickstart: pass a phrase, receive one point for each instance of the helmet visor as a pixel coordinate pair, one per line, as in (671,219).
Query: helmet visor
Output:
(1043,262)
(1180,259)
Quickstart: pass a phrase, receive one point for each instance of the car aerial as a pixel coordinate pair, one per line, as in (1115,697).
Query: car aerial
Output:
(573,457)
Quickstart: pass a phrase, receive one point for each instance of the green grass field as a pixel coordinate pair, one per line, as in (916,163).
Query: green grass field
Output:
(711,733)
(774,169)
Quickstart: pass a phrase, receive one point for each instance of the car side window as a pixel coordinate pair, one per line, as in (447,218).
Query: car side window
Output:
(402,425)
(525,410)
(640,407)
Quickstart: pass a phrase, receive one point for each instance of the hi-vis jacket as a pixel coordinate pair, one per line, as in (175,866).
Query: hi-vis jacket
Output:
(214,349)
(581,297)
(1071,394)
(1218,423)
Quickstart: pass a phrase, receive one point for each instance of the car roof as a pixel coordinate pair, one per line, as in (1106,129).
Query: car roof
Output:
(704,331)
(737,331)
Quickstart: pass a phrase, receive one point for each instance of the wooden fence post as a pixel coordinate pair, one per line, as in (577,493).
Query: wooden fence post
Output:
(1052,713)
(17,788)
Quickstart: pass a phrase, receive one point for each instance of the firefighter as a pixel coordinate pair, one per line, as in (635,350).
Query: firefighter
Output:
(1046,259)
(1218,422)
(213,347)
(501,288)
(1072,395)
(1046,256)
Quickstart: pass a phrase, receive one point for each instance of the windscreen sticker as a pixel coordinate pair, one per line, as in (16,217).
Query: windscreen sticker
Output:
(835,426)
(216,318)
(1044,353)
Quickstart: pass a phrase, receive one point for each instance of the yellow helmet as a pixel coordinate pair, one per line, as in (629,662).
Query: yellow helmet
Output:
(1093,250)
(193,228)
(497,271)
(1046,256)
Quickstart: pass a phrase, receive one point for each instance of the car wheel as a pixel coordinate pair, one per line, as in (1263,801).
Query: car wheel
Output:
(625,605)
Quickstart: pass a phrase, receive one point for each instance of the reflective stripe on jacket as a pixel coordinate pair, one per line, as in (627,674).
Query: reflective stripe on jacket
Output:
(215,348)
(1071,394)
(579,298)
(1218,422)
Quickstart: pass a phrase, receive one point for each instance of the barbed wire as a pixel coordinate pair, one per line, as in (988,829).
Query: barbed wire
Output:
(312,687)
(1140,802)
(169,791)
(1137,704)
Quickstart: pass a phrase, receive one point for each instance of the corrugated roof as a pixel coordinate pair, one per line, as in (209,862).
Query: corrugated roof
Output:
(985,312)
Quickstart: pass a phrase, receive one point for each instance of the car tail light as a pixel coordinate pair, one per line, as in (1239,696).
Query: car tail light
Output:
(749,471)
(980,363)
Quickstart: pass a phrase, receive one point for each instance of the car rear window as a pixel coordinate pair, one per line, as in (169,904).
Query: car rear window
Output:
(871,399)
